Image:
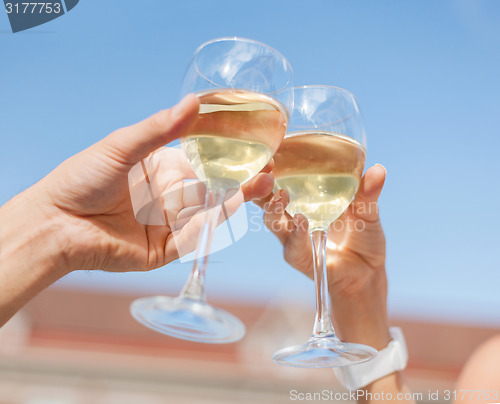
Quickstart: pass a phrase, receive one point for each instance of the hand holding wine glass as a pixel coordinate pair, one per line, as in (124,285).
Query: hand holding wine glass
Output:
(320,163)
(355,259)
(80,215)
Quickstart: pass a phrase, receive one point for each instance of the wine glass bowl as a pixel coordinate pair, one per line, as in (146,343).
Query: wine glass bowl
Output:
(328,108)
(320,164)
(245,93)
(240,63)
(236,134)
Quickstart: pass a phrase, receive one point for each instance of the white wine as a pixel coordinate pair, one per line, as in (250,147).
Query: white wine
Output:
(321,171)
(236,134)
(321,198)
(223,157)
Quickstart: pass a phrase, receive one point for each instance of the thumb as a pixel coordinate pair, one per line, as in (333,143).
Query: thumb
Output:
(131,144)
(365,204)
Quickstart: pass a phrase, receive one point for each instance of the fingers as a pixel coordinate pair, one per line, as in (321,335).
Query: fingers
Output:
(259,187)
(298,252)
(275,217)
(168,160)
(131,144)
(193,193)
(365,204)
(292,233)
(269,166)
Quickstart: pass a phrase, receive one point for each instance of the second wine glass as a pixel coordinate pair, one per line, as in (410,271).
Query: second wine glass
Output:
(245,93)
(320,164)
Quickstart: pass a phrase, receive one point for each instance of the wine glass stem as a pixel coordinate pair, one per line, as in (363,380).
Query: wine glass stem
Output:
(195,285)
(322,322)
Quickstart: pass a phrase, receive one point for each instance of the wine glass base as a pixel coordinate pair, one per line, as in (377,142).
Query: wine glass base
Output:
(188,319)
(324,352)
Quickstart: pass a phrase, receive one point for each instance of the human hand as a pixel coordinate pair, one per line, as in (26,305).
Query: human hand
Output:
(80,216)
(165,192)
(355,260)
(87,197)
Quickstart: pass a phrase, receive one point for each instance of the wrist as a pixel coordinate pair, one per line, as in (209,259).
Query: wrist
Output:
(361,316)
(383,370)
(30,259)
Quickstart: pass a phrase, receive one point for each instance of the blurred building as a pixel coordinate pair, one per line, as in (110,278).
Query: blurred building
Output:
(75,347)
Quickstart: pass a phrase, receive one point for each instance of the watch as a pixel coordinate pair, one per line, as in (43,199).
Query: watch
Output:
(391,359)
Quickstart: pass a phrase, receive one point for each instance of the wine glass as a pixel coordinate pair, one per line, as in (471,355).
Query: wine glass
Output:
(320,164)
(245,92)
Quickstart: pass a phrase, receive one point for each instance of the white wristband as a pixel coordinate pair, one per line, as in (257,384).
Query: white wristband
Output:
(389,360)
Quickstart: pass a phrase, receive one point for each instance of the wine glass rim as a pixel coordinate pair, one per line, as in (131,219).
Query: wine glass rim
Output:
(247,40)
(351,139)
(312,86)
(326,133)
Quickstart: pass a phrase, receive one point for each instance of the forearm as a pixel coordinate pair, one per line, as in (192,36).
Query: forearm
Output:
(30,259)
(362,318)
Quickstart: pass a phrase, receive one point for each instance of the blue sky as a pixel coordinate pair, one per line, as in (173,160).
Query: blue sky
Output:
(425,74)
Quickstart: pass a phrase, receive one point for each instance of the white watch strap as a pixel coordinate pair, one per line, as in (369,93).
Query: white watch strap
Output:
(389,360)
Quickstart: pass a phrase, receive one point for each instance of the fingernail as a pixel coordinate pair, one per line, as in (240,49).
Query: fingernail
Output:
(178,109)
(278,196)
(296,221)
(299,226)
(380,165)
